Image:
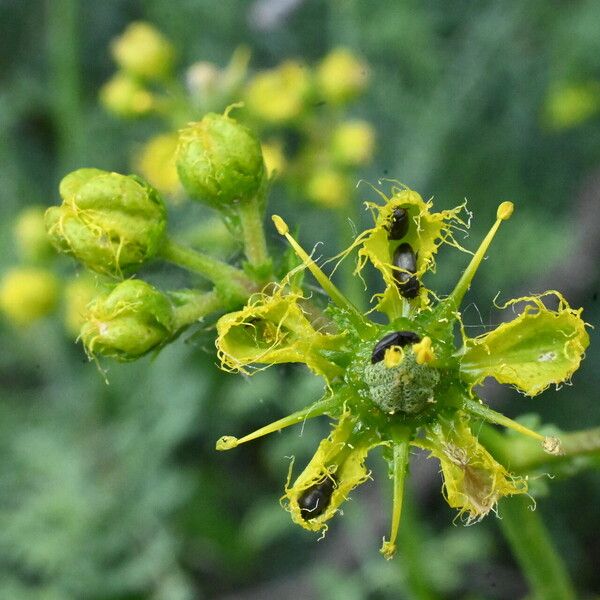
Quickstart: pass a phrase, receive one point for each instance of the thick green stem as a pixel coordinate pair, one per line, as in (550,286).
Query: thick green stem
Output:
(233,285)
(192,306)
(255,245)
(533,549)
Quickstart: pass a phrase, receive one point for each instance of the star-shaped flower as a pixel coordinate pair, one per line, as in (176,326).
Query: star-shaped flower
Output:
(405,383)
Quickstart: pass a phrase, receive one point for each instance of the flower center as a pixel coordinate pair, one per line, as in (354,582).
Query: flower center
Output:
(398,380)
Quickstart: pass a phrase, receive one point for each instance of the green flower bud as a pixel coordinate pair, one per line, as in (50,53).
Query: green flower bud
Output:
(28,294)
(126,97)
(30,234)
(128,322)
(220,162)
(143,52)
(107,221)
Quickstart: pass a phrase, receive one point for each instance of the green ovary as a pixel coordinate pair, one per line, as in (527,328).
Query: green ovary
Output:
(407,388)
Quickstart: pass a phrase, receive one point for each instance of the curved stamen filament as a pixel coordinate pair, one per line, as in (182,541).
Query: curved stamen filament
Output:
(228,442)
(550,444)
(324,281)
(400,467)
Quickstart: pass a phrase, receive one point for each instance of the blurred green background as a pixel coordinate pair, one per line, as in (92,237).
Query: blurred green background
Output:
(115,491)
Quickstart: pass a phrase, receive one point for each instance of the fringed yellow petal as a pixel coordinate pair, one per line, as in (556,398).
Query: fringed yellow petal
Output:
(334,471)
(426,232)
(273,329)
(474,481)
(539,348)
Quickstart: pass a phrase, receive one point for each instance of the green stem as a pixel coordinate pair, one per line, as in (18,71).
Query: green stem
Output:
(233,285)
(63,56)
(255,245)
(192,306)
(530,541)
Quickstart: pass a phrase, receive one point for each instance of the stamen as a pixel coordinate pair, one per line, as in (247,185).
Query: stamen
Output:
(319,275)
(453,301)
(400,459)
(423,351)
(550,444)
(393,356)
(228,442)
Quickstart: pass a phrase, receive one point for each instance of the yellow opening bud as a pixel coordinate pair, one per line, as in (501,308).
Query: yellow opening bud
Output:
(279,95)
(143,52)
(353,143)
(78,293)
(28,294)
(30,234)
(341,76)
(125,97)
(329,188)
(156,163)
(275,162)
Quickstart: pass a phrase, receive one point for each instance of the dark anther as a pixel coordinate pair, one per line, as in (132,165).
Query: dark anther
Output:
(395,338)
(314,500)
(398,225)
(406,280)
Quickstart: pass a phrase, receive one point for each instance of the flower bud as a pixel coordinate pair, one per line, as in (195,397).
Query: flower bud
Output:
(143,52)
(329,188)
(126,97)
(107,221)
(569,105)
(275,162)
(353,143)
(220,162)
(128,322)
(27,294)
(279,95)
(156,163)
(30,234)
(78,293)
(341,76)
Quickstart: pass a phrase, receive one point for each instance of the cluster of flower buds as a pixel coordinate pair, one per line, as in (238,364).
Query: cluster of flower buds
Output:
(114,225)
(309,144)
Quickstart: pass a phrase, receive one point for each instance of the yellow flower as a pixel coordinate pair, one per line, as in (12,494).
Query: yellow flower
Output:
(329,188)
(279,95)
(275,161)
(406,382)
(28,294)
(341,76)
(126,97)
(156,163)
(143,52)
(353,143)
(568,105)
